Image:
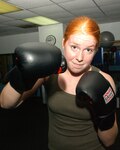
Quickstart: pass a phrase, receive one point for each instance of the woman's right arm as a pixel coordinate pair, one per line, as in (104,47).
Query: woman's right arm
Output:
(10,98)
(33,61)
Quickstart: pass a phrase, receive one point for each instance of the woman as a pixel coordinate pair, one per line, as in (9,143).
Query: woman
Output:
(70,127)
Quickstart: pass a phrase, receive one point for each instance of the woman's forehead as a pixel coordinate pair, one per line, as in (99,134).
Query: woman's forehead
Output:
(78,38)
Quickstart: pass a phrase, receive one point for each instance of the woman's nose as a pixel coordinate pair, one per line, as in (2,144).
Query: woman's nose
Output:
(79,56)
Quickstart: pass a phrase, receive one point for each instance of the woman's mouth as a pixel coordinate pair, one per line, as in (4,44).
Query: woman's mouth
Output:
(76,65)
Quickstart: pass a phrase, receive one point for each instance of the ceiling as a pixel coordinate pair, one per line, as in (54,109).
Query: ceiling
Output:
(103,11)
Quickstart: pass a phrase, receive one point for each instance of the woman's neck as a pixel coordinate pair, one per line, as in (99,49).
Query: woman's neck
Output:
(68,81)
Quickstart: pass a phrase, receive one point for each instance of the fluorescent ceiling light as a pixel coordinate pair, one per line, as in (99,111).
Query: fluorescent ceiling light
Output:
(40,20)
(7,7)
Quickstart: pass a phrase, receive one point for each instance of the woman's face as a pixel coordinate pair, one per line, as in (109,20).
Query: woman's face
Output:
(79,51)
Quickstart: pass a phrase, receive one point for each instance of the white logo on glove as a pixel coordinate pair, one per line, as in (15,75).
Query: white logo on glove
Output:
(108,95)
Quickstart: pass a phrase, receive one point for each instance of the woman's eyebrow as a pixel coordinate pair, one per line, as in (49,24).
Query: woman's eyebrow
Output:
(91,45)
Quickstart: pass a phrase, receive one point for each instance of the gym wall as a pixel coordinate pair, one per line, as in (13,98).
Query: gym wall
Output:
(112,27)
(9,43)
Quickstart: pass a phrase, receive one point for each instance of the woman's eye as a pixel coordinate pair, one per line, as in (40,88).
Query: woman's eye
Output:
(75,48)
(89,50)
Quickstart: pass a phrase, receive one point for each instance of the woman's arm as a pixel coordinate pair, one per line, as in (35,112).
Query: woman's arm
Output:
(33,60)
(9,97)
(108,136)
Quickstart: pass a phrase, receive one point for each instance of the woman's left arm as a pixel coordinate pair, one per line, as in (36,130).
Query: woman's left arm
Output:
(108,137)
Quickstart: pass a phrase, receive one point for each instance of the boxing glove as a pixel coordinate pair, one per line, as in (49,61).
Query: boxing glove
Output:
(94,91)
(35,60)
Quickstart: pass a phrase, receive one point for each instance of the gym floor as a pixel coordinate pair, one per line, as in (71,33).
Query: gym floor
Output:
(26,127)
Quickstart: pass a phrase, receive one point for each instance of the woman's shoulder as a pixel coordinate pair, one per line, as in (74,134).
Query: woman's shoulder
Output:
(109,78)
(95,68)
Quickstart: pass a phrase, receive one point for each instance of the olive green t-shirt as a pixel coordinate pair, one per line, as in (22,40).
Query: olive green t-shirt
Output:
(70,127)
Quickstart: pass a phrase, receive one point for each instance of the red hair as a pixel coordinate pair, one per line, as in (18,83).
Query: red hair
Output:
(83,25)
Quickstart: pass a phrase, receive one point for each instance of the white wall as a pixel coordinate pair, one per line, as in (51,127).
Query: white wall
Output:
(56,30)
(9,43)
(113,28)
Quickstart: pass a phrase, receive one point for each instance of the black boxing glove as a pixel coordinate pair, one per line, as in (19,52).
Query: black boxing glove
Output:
(94,90)
(35,60)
